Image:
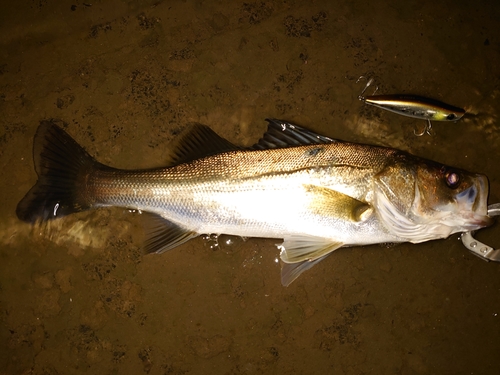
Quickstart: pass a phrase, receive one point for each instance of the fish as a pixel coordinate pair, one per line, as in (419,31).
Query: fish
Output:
(316,193)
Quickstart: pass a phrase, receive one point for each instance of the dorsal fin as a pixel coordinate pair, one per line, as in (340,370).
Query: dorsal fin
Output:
(282,134)
(196,142)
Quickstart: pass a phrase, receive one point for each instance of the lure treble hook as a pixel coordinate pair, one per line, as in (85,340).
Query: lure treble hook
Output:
(368,84)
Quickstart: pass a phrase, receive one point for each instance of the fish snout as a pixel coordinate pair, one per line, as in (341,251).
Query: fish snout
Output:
(475,197)
(474,201)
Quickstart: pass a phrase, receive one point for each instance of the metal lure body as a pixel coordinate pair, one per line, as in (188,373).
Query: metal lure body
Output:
(412,106)
(416,106)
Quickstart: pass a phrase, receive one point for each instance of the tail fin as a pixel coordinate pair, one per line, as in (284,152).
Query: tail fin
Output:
(62,166)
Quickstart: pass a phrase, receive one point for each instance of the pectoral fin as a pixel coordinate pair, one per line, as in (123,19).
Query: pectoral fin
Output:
(333,206)
(336,205)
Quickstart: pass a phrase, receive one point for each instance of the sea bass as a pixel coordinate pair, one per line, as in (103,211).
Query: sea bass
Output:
(317,193)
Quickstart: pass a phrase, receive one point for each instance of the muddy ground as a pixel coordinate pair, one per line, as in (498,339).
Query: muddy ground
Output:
(78,296)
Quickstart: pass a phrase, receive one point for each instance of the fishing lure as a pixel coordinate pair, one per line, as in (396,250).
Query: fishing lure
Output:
(413,106)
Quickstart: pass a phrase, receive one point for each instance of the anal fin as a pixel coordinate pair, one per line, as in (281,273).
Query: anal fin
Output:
(162,235)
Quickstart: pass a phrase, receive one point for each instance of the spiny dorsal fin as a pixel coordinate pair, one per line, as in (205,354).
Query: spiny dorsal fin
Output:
(282,134)
(196,142)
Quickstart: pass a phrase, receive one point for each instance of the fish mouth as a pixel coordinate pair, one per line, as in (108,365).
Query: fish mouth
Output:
(475,222)
(472,204)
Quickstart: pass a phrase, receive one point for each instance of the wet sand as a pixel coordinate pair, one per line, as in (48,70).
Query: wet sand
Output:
(79,296)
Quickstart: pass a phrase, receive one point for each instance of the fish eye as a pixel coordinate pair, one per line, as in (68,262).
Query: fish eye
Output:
(452,179)
(451,116)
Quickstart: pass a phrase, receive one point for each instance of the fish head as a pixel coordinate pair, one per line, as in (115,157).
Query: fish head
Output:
(419,200)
